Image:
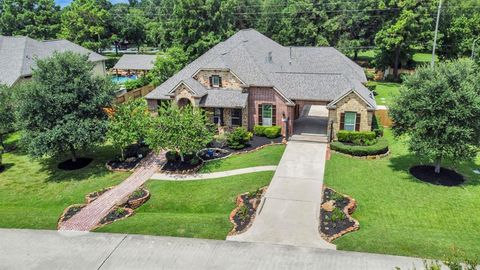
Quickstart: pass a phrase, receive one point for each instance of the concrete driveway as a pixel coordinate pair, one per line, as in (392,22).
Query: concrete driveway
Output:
(289,213)
(36,249)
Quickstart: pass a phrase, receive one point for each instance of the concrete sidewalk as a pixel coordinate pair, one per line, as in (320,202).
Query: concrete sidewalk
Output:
(290,210)
(204,176)
(36,249)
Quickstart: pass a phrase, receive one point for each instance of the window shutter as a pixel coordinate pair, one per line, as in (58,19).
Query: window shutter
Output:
(259,114)
(342,121)
(210,79)
(357,123)
(219,81)
(274,115)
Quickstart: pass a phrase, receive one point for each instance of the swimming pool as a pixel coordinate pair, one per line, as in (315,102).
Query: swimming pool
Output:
(123,79)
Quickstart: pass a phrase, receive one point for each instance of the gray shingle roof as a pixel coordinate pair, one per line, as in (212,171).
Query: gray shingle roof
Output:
(224,98)
(18,55)
(136,62)
(310,73)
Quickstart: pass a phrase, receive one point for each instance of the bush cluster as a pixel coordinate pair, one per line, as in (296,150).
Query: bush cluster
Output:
(269,132)
(377,128)
(357,137)
(238,138)
(137,83)
(380,147)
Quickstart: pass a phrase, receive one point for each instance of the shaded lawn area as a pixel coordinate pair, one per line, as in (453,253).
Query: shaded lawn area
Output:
(197,209)
(418,57)
(386,92)
(269,155)
(401,215)
(34,193)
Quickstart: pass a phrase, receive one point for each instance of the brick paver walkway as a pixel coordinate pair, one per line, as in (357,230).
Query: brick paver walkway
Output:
(90,216)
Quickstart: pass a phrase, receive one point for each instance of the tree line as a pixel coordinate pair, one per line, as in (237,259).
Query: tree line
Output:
(395,28)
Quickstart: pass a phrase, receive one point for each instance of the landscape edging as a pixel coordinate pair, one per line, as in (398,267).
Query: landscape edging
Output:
(239,202)
(379,156)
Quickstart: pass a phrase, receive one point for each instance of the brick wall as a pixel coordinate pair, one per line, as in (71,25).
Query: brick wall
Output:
(229,81)
(351,103)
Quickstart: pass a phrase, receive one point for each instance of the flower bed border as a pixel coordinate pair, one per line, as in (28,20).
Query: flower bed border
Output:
(89,199)
(348,210)
(239,202)
(135,203)
(130,213)
(62,216)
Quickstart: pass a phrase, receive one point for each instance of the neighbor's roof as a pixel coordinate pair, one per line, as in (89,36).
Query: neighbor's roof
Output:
(136,62)
(18,55)
(224,98)
(309,73)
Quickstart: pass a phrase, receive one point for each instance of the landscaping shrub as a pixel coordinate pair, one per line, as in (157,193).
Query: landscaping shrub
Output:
(380,147)
(273,132)
(221,139)
(377,128)
(172,156)
(137,83)
(372,86)
(370,75)
(238,138)
(357,137)
(259,130)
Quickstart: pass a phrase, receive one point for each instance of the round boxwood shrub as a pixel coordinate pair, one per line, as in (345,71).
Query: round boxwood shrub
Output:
(238,138)
(273,132)
(380,147)
(259,130)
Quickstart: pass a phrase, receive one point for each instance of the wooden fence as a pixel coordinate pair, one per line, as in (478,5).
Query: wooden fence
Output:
(383,117)
(136,93)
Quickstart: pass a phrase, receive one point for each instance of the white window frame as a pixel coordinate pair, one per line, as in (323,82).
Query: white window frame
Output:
(267,122)
(350,125)
(216,77)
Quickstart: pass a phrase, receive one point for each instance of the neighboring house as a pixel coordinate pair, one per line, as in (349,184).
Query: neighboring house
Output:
(135,63)
(19,54)
(250,80)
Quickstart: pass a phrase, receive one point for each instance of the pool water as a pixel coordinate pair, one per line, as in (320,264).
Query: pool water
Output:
(123,79)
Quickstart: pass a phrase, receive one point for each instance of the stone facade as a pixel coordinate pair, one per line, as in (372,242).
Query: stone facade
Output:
(229,81)
(351,103)
(183,91)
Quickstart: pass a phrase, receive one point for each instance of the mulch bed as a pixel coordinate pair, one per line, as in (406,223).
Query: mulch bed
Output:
(94,195)
(242,216)
(213,153)
(335,219)
(181,167)
(70,211)
(134,154)
(446,177)
(69,165)
(137,198)
(116,214)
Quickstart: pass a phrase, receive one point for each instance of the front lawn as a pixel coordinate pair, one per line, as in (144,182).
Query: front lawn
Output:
(197,209)
(34,193)
(269,155)
(386,92)
(401,215)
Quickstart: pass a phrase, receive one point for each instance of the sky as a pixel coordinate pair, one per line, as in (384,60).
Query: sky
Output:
(63,3)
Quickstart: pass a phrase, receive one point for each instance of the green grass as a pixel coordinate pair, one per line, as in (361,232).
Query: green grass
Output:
(197,209)
(269,155)
(418,57)
(386,92)
(401,215)
(34,193)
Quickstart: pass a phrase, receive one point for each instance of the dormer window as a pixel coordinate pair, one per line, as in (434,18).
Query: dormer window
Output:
(215,81)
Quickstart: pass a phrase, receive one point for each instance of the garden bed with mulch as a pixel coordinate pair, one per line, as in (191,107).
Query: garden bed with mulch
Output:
(446,177)
(69,212)
(70,165)
(134,154)
(92,196)
(208,154)
(115,215)
(242,216)
(137,198)
(190,164)
(335,219)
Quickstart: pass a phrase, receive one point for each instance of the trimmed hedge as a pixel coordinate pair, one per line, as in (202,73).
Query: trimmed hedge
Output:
(259,130)
(273,132)
(380,147)
(353,136)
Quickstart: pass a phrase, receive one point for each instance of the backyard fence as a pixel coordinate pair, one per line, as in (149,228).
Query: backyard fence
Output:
(136,93)
(383,117)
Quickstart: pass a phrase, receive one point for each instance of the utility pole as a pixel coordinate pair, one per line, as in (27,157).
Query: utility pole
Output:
(436,33)
(473,47)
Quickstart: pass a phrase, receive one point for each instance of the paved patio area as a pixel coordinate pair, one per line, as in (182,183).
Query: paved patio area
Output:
(90,215)
(35,249)
(289,213)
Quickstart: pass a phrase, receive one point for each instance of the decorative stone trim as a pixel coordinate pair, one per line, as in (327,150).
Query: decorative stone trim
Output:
(62,219)
(92,196)
(135,203)
(239,202)
(348,210)
(364,157)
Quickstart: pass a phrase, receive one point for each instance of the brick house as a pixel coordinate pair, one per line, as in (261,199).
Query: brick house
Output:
(250,80)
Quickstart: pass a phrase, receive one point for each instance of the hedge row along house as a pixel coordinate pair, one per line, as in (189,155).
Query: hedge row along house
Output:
(250,80)
(18,56)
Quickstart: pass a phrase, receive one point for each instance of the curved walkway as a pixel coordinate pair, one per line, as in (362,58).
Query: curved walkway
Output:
(88,218)
(204,176)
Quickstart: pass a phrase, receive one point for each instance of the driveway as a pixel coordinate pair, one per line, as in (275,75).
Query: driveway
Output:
(290,210)
(36,249)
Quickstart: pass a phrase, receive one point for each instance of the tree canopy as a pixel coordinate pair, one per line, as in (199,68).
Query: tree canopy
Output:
(438,109)
(62,108)
(6,112)
(167,64)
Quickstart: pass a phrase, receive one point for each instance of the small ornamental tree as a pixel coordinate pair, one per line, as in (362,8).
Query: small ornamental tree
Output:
(128,123)
(62,108)
(183,130)
(439,111)
(6,113)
